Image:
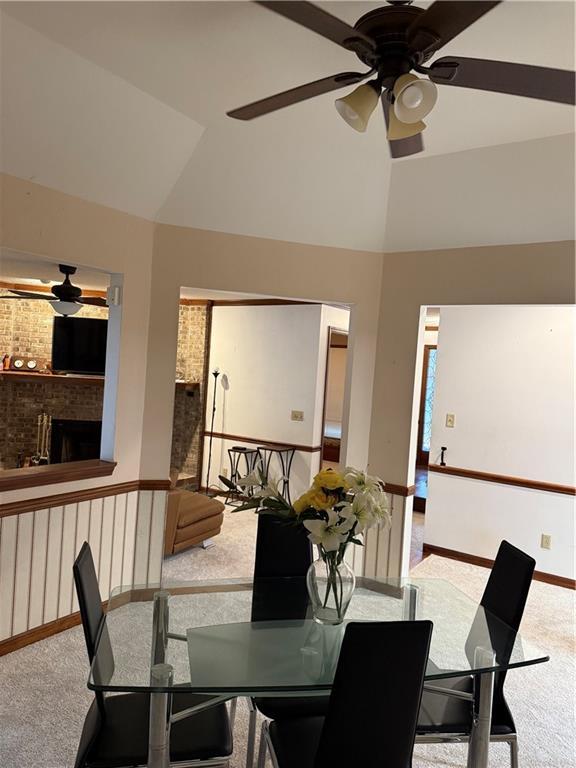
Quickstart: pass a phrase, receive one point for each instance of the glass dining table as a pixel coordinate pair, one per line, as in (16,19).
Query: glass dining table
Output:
(243,638)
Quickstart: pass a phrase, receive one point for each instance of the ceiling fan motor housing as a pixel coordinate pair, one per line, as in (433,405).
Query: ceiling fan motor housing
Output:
(66,291)
(394,55)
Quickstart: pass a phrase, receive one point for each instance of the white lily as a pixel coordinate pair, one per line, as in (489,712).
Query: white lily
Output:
(253,478)
(330,533)
(360,482)
(270,489)
(368,509)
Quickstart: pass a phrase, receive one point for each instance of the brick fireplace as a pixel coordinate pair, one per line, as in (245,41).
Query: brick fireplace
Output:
(26,329)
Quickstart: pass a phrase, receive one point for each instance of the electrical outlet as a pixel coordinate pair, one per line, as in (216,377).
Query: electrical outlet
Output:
(297,416)
(224,472)
(546,541)
(450,419)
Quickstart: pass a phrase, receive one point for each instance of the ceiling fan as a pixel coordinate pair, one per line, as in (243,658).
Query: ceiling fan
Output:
(394,42)
(66,298)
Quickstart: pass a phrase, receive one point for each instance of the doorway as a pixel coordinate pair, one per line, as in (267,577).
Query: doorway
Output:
(334,386)
(427,390)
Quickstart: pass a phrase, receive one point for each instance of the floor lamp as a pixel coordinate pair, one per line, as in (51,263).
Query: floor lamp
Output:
(215,373)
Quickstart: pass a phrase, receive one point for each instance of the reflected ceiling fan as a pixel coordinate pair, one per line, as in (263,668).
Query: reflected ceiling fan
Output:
(394,42)
(66,298)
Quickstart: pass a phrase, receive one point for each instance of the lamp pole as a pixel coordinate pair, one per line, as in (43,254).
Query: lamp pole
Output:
(215,373)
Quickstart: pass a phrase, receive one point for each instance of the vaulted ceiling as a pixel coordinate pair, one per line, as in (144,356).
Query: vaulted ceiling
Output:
(124,103)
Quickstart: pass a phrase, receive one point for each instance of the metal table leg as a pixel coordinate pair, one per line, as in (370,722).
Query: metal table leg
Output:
(410,602)
(161,675)
(479,744)
(160,622)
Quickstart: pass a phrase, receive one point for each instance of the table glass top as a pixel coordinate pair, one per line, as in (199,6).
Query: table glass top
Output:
(238,638)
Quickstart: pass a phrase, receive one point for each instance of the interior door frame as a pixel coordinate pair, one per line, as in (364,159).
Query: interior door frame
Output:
(423,457)
(332,330)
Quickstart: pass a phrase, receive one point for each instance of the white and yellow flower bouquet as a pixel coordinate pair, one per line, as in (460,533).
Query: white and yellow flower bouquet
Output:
(336,511)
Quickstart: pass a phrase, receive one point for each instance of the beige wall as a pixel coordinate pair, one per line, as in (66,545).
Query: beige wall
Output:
(539,273)
(386,294)
(212,260)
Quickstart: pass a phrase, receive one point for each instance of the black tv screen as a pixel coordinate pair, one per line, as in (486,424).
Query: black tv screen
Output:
(79,345)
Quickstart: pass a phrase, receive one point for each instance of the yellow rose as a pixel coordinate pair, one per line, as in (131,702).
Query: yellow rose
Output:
(329,478)
(319,500)
(301,503)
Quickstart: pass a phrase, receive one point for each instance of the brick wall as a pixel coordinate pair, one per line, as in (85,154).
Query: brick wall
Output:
(190,366)
(26,329)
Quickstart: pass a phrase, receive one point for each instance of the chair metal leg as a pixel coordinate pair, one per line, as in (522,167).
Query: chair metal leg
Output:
(479,744)
(263,745)
(251,735)
(513,743)
(232,713)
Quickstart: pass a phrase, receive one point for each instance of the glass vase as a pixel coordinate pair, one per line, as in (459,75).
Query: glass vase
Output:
(330,587)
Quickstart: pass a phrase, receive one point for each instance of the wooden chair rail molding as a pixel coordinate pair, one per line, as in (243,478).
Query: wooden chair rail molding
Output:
(256,441)
(490,477)
(74,497)
(486,562)
(399,490)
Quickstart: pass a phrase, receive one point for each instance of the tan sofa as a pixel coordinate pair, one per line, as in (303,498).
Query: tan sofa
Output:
(191,518)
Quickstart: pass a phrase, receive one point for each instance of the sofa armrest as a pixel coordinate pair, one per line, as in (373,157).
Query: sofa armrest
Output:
(172,505)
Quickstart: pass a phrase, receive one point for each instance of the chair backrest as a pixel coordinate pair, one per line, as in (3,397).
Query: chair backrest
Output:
(89,598)
(504,599)
(508,585)
(282,549)
(93,617)
(376,696)
(283,556)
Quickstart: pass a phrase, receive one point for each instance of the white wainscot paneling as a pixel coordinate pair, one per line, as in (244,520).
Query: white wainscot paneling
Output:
(38,548)
(383,546)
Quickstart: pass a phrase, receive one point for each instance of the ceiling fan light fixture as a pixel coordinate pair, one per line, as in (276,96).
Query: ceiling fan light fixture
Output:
(398,130)
(413,98)
(357,107)
(66,308)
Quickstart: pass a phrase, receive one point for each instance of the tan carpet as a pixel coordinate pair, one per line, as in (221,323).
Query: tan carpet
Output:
(43,695)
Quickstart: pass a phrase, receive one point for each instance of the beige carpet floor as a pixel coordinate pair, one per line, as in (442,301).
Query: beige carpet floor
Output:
(43,695)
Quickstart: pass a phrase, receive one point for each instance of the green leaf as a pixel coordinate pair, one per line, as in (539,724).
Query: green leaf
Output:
(247,505)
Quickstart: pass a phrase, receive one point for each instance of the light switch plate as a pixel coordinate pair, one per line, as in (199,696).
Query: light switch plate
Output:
(297,416)
(450,419)
(546,541)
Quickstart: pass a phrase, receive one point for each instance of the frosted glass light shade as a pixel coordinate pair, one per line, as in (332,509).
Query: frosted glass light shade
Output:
(400,130)
(357,107)
(66,307)
(413,98)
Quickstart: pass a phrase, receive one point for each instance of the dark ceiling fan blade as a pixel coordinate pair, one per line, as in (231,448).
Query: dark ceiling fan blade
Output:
(95,301)
(443,20)
(312,17)
(401,147)
(557,85)
(28,298)
(295,95)
(28,295)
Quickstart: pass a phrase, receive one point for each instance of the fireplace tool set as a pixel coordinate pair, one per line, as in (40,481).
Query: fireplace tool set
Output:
(43,438)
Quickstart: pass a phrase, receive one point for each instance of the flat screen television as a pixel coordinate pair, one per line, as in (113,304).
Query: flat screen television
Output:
(79,345)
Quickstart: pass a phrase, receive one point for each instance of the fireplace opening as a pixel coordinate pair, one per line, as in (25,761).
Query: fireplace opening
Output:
(75,440)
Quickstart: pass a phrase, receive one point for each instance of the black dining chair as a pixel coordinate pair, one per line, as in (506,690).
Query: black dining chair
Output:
(448,718)
(283,551)
(115,731)
(373,707)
